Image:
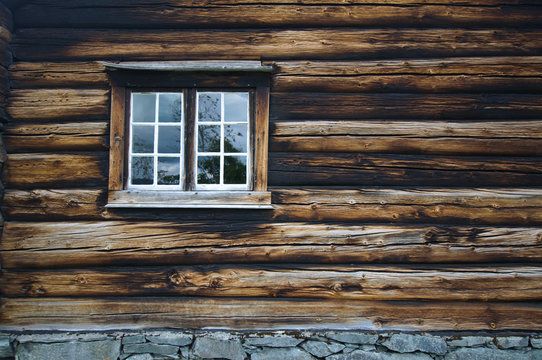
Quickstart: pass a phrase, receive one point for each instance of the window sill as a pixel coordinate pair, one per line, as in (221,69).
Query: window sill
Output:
(189,199)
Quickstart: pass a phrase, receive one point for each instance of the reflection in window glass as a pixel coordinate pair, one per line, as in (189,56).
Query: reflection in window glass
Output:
(169,139)
(208,138)
(170,107)
(235,138)
(143,107)
(235,169)
(142,170)
(208,170)
(209,106)
(143,139)
(236,107)
(168,171)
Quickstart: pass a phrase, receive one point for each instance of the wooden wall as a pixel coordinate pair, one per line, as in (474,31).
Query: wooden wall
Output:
(405,169)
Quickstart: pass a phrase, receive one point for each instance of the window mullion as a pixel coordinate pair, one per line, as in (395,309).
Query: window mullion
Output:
(190,140)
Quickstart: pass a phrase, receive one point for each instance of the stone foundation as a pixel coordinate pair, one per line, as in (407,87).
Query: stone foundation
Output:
(275,345)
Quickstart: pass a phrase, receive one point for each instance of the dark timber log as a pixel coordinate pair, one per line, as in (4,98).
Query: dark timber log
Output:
(353,169)
(54,104)
(190,313)
(116,243)
(58,170)
(56,137)
(50,74)
(509,283)
(130,14)
(403,106)
(47,44)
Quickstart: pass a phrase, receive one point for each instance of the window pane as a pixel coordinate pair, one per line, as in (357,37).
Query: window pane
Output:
(209,107)
(235,169)
(142,170)
(235,138)
(142,139)
(143,107)
(170,108)
(169,139)
(208,169)
(236,107)
(168,171)
(209,138)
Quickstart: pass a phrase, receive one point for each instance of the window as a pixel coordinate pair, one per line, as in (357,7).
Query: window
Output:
(187,136)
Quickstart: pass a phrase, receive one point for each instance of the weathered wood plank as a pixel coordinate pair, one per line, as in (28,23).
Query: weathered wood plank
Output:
(57,170)
(502,283)
(353,169)
(127,14)
(415,129)
(47,44)
(55,104)
(189,313)
(530,66)
(471,206)
(404,106)
(408,83)
(53,74)
(39,137)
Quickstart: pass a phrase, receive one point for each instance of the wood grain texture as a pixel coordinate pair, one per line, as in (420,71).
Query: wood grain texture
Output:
(55,104)
(197,313)
(354,170)
(125,243)
(117,137)
(55,74)
(86,44)
(54,170)
(436,283)
(180,14)
(307,105)
(40,137)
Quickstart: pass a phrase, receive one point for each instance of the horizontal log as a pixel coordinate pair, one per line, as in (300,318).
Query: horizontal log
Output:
(127,14)
(353,169)
(57,170)
(53,74)
(530,66)
(408,83)
(47,44)
(502,283)
(190,313)
(470,206)
(80,136)
(332,106)
(55,104)
(414,129)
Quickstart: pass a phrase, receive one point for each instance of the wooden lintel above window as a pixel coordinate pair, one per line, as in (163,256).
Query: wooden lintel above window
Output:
(190,66)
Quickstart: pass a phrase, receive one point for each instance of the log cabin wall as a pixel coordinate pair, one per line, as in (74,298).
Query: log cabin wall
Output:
(405,169)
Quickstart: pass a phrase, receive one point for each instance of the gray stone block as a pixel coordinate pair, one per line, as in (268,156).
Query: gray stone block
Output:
(406,343)
(218,346)
(5,347)
(508,342)
(322,349)
(291,353)
(171,338)
(96,350)
(492,354)
(273,341)
(371,355)
(134,339)
(469,341)
(140,357)
(536,343)
(151,348)
(63,337)
(352,337)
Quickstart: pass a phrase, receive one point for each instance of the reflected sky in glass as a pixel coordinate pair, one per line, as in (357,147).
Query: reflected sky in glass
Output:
(169,139)
(235,107)
(235,138)
(208,170)
(142,170)
(142,139)
(168,171)
(143,107)
(209,106)
(170,107)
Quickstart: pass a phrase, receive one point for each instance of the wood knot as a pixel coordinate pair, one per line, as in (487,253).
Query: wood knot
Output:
(33,290)
(216,282)
(337,287)
(177,278)
(81,279)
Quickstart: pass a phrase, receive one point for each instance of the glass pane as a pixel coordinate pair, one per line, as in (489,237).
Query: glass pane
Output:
(209,138)
(169,139)
(209,106)
(143,107)
(168,171)
(236,107)
(235,138)
(208,170)
(170,108)
(142,170)
(235,169)
(142,139)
